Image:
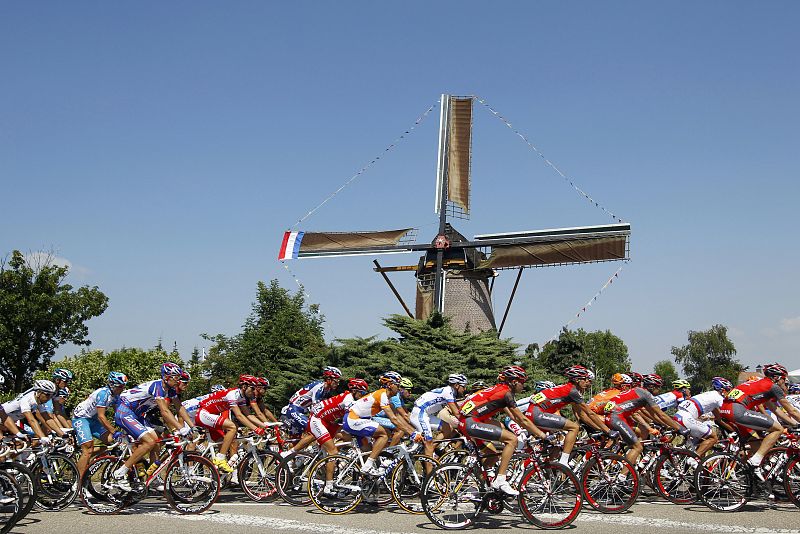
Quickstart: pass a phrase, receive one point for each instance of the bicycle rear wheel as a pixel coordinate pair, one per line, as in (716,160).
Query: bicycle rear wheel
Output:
(98,491)
(292,478)
(257,475)
(674,476)
(406,483)
(347,484)
(191,484)
(791,480)
(610,483)
(550,496)
(10,509)
(453,496)
(27,488)
(723,482)
(57,484)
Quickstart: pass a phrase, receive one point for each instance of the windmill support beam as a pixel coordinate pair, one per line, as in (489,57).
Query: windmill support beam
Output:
(391,286)
(510,300)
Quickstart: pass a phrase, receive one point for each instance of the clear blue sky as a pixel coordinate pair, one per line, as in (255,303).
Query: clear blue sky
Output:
(163,148)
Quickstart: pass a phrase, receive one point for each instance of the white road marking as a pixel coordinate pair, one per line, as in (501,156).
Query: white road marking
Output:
(667,524)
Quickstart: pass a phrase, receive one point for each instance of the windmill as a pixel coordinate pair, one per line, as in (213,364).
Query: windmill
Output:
(455,275)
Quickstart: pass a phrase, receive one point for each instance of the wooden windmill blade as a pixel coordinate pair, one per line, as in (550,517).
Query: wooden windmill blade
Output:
(325,244)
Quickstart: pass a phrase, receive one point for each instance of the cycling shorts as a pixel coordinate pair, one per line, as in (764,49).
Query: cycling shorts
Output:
(425,423)
(134,425)
(322,430)
(622,425)
(480,429)
(87,428)
(697,429)
(361,428)
(550,421)
(296,419)
(213,422)
(745,419)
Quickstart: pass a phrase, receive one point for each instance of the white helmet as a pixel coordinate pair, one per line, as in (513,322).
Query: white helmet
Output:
(45,386)
(457,378)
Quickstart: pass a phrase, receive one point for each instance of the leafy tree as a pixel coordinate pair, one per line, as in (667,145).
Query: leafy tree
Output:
(38,313)
(666,369)
(708,354)
(600,351)
(567,350)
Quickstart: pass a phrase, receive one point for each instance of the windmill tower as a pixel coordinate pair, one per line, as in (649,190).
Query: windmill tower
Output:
(455,274)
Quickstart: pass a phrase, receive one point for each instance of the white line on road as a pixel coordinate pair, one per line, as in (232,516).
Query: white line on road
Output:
(669,524)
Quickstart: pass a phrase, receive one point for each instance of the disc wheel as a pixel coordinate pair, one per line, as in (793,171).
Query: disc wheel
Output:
(610,484)
(723,482)
(191,484)
(550,496)
(673,476)
(292,478)
(453,496)
(257,475)
(347,484)
(98,492)
(406,483)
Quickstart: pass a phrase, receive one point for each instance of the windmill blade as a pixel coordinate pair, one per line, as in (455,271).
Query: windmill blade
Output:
(560,246)
(455,155)
(323,244)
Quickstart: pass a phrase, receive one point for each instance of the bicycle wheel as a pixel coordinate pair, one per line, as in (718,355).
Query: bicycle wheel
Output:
(674,476)
(257,475)
(406,482)
(292,478)
(610,483)
(27,488)
(774,466)
(57,484)
(453,496)
(98,492)
(791,480)
(723,482)
(10,501)
(550,496)
(347,484)
(191,484)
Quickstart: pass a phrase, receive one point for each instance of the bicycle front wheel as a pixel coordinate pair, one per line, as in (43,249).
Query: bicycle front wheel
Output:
(610,484)
(11,506)
(57,483)
(791,480)
(292,478)
(723,482)
(453,496)
(674,476)
(346,493)
(98,491)
(191,484)
(24,479)
(406,482)
(257,475)
(550,496)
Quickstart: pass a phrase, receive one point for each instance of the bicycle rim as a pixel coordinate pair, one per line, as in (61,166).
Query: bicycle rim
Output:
(791,480)
(27,488)
(610,484)
(191,486)
(257,476)
(10,511)
(674,477)
(406,484)
(57,487)
(292,478)
(550,496)
(98,492)
(347,485)
(722,483)
(453,496)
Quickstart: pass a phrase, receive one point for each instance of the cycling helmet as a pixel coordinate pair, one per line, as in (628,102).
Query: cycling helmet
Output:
(636,378)
(511,373)
(652,380)
(45,386)
(681,384)
(115,378)
(331,372)
(185,376)
(170,369)
(217,387)
(719,383)
(390,377)
(406,383)
(775,370)
(358,384)
(543,384)
(620,379)
(457,379)
(576,372)
(794,388)
(477,386)
(63,392)
(63,374)
(263,381)
(247,380)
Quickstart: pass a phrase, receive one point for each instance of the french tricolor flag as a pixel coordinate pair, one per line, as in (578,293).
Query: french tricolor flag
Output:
(290,246)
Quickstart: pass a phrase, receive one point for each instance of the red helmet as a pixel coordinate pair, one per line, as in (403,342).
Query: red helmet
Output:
(577,372)
(511,373)
(263,381)
(652,380)
(185,376)
(775,370)
(248,380)
(331,372)
(636,377)
(357,384)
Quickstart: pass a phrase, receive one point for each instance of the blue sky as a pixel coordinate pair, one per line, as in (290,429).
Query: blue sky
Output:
(163,148)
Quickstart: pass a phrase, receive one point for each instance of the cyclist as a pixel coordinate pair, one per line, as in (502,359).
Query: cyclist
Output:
(794,394)
(475,419)
(691,410)
(295,414)
(192,405)
(622,408)
(360,423)
(428,405)
(619,382)
(57,418)
(738,408)
(23,408)
(215,415)
(90,419)
(130,412)
(398,405)
(261,414)
(681,390)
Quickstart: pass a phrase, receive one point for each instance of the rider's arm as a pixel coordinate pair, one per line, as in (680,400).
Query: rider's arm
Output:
(453,407)
(586,415)
(169,419)
(33,423)
(791,410)
(101,416)
(398,421)
(662,418)
(519,417)
(50,422)
(183,415)
(242,415)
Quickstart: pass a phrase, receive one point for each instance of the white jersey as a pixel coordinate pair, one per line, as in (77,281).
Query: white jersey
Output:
(24,403)
(701,404)
(192,405)
(794,400)
(433,401)
(100,398)
(523,403)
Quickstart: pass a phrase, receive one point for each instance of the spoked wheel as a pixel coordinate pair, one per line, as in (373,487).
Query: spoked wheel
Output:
(24,479)
(610,484)
(791,480)
(453,496)
(550,496)
(10,501)
(98,491)
(347,484)
(57,484)
(723,482)
(674,476)
(406,483)
(191,484)
(257,475)
(292,478)
(774,464)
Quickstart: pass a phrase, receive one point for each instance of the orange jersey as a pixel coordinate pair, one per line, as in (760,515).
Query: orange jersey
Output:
(369,405)
(599,401)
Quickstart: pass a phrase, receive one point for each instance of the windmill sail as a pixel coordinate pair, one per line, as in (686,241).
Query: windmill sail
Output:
(455,153)
(318,244)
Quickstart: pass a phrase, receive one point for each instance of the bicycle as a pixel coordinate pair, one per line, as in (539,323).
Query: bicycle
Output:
(609,482)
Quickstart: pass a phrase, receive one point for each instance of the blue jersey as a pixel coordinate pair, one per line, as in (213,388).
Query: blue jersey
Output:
(395,401)
(309,394)
(99,398)
(143,397)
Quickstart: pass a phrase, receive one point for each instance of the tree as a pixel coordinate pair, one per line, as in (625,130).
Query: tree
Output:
(38,313)
(708,354)
(666,370)
(601,351)
(563,352)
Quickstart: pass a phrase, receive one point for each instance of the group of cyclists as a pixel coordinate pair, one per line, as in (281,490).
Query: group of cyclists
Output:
(632,409)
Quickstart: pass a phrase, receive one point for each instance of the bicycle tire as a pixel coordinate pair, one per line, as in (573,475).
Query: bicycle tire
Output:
(191,484)
(61,491)
(347,484)
(723,482)
(97,492)
(610,484)
(674,477)
(257,475)
(292,478)
(406,488)
(448,487)
(24,479)
(10,511)
(791,480)
(550,496)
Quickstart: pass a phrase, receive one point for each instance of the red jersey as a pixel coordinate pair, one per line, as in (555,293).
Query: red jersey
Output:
(755,393)
(551,400)
(631,401)
(482,405)
(221,401)
(332,409)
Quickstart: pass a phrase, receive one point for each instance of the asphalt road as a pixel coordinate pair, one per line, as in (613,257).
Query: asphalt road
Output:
(233,514)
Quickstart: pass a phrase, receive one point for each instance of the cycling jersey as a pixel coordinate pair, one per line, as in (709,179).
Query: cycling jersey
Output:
(192,405)
(332,409)
(396,402)
(481,406)
(630,402)
(702,403)
(669,399)
(309,394)
(24,403)
(143,397)
(795,400)
(434,400)
(550,400)
(756,392)
(598,403)
(369,405)
(99,398)
(222,401)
